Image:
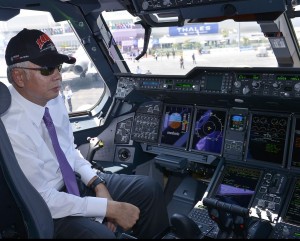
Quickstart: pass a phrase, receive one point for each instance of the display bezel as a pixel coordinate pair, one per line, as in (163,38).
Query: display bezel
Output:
(291,147)
(165,144)
(283,161)
(193,129)
(288,201)
(220,181)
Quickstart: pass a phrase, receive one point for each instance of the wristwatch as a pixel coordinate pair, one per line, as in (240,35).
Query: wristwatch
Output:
(97,181)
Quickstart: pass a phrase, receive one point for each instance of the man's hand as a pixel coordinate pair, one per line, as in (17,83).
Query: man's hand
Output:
(124,214)
(111,225)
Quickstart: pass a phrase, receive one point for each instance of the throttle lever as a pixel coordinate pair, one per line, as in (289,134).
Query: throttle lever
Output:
(95,145)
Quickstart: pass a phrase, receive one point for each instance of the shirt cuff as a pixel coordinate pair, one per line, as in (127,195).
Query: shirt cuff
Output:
(96,207)
(87,173)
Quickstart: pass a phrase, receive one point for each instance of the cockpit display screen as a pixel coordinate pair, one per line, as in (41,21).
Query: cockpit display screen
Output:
(208,130)
(267,139)
(292,214)
(237,122)
(214,82)
(176,126)
(295,153)
(237,185)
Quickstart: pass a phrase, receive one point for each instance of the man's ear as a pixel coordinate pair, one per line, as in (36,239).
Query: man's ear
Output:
(18,76)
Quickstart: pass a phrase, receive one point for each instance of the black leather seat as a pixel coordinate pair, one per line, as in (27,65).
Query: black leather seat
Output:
(23,212)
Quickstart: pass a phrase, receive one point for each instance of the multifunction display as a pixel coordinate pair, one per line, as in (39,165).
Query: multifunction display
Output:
(295,152)
(237,185)
(292,214)
(267,139)
(176,126)
(208,130)
(237,122)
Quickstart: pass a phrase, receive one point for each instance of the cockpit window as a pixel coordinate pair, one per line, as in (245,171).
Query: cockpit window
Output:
(177,50)
(296,24)
(82,85)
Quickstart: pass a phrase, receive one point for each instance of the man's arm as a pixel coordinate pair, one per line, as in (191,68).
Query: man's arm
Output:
(121,213)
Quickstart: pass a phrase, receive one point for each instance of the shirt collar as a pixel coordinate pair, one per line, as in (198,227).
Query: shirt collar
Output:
(34,112)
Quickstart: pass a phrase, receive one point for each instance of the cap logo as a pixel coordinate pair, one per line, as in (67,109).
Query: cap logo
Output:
(44,38)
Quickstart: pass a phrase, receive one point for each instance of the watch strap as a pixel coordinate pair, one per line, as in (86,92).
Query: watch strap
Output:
(97,181)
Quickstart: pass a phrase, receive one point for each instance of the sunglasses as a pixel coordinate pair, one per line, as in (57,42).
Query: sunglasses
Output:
(45,71)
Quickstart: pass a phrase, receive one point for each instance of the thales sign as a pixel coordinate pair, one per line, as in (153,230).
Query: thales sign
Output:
(194,29)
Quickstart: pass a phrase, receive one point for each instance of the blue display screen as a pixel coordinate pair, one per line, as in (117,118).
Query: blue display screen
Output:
(237,185)
(176,126)
(208,130)
(237,122)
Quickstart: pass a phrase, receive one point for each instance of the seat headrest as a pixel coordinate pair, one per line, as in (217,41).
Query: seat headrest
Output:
(5,98)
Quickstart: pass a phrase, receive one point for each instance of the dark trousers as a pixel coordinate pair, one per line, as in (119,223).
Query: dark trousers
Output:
(138,190)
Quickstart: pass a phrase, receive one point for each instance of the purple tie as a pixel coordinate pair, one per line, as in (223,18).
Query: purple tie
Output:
(66,170)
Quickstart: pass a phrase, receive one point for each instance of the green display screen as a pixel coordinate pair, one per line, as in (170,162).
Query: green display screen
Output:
(288,77)
(249,76)
(184,85)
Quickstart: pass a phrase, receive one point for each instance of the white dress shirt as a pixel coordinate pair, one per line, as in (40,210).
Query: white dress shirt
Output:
(35,154)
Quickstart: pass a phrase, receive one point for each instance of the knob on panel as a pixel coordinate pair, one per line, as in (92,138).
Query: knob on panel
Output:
(297,87)
(124,154)
(276,85)
(237,84)
(246,90)
(255,84)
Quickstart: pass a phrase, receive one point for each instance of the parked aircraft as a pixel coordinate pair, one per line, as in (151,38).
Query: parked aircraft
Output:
(219,132)
(83,67)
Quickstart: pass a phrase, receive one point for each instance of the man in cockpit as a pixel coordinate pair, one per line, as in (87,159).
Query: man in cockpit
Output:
(100,204)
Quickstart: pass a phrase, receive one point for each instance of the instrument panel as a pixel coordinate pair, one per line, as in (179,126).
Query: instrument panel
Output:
(190,121)
(163,4)
(207,8)
(270,195)
(256,82)
(237,134)
(253,128)
(260,163)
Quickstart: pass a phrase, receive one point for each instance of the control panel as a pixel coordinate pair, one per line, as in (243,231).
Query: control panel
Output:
(259,82)
(270,196)
(248,195)
(285,231)
(207,7)
(163,4)
(236,134)
(147,122)
(288,225)
(191,133)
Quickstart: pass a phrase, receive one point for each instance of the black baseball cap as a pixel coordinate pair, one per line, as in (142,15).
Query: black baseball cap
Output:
(35,46)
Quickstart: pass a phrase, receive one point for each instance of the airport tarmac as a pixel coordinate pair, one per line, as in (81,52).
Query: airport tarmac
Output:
(221,57)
